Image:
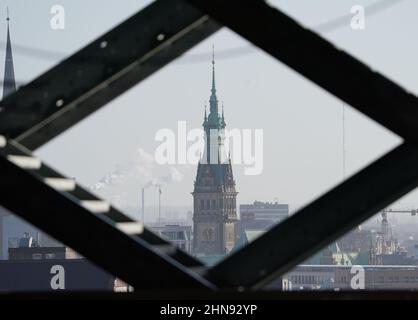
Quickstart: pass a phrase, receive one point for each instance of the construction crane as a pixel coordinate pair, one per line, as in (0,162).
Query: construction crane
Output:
(413,212)
(385,224)
(386,243)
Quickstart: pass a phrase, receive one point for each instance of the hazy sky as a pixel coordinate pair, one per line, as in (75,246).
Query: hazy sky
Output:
(302,124)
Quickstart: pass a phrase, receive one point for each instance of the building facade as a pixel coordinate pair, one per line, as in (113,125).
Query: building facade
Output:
(259,216)
(177,234)
(315,277)
(214,195)
(29,248)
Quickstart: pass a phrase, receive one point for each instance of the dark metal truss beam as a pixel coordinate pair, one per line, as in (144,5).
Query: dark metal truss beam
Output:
(275,296)
(46,172)
(103,70)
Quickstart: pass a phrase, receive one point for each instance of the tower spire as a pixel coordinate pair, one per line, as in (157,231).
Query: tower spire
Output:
(213,99)
(9,84)
(213,70)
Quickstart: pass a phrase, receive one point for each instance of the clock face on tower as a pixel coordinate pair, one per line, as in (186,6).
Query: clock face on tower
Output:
(208,234)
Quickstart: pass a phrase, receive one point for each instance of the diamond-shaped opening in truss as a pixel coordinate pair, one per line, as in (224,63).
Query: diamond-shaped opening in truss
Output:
(32,261)
(48,33)
(312,141)
(379,254)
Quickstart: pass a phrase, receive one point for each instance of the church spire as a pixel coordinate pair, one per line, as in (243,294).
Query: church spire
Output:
(9,84)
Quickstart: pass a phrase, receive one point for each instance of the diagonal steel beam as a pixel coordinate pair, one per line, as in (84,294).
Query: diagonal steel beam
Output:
(113,246)
(103,70)
(47,174)
(319,61)
(321,222)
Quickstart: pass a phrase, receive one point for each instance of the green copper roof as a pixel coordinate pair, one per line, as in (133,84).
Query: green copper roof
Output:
(247,237)
(210,260)
(251,235)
